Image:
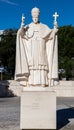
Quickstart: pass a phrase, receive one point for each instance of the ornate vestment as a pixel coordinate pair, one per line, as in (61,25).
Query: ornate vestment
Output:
(36,55)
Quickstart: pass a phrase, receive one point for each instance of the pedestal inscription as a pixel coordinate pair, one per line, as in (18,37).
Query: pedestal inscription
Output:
(38,110)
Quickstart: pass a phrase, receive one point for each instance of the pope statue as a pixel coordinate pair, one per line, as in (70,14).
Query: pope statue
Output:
(36,53)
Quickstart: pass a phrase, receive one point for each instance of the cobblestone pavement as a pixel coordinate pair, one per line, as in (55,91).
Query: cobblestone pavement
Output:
(10,113)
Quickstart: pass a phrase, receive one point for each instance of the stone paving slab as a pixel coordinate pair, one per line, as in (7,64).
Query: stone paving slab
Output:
(10,113)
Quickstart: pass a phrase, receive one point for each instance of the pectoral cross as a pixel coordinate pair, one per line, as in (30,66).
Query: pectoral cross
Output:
(55,16)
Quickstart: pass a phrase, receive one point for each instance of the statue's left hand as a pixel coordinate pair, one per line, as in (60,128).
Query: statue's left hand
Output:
(55,25)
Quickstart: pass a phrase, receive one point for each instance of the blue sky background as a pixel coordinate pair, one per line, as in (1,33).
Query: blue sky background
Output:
(11,12)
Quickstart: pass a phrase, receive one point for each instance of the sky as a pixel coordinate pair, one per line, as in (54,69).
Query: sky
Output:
(11,12)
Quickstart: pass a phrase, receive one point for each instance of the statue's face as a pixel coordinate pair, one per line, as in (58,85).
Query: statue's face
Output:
(35,20)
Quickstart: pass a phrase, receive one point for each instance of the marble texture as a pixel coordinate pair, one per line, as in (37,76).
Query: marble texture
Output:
(38,109)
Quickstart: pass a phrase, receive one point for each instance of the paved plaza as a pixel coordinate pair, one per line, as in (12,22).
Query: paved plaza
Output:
(10,113)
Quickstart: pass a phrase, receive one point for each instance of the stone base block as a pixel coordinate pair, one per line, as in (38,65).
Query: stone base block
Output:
(38,109)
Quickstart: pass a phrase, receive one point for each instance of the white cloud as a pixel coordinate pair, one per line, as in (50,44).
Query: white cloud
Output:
(9,2)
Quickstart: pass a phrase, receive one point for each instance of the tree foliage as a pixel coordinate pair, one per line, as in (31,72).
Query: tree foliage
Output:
(66,50)
(7,49)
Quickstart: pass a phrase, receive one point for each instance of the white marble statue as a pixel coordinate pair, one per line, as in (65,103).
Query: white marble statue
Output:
(36,53)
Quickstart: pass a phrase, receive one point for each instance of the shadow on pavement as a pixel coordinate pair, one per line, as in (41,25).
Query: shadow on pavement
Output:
(4,89)
(63,117)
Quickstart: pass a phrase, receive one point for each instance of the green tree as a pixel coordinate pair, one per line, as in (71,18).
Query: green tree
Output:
(7,49)
(66,49)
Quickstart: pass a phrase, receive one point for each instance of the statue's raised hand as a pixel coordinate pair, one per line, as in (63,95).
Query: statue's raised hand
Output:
(23,21)
(55,24)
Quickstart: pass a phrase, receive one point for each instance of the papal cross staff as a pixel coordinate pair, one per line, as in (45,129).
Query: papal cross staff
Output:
(52,51)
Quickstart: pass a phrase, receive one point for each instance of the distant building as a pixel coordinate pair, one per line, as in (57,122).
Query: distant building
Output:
(1,32)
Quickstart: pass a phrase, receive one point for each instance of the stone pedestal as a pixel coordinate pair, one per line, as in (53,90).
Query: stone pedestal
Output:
(38,109)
